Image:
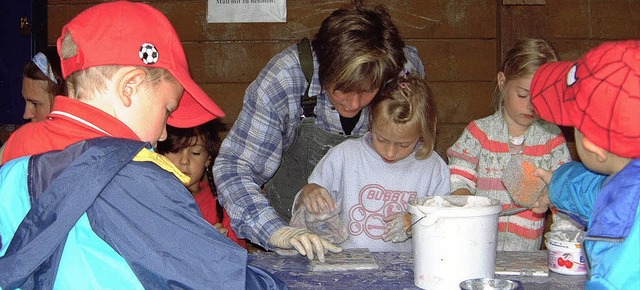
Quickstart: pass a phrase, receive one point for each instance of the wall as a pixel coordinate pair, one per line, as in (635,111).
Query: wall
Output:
(461,42)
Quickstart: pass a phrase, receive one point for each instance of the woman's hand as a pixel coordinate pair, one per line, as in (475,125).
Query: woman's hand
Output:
(304,241)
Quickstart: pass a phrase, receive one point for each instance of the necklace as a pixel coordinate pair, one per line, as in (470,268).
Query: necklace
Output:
(516,144)
(516,140)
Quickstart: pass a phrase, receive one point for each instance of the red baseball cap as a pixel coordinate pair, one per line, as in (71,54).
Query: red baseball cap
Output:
(599,95)
(136,34)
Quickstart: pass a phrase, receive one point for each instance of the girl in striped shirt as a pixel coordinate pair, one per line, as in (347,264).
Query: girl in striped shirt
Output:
(479,157)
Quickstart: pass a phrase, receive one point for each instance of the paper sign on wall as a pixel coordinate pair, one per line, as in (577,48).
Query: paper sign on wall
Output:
(225,11)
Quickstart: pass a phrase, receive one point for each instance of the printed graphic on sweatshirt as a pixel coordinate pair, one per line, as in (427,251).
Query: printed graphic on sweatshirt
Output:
(374,203)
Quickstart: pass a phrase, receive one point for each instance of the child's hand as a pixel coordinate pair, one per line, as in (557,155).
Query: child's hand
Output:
(543,203)
(461,191)
(224,231)
(397,225)
(317,199)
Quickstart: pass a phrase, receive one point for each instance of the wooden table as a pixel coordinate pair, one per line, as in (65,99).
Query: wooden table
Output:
(395,272)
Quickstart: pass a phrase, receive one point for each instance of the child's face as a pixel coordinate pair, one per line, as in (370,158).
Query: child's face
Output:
(149,111)
(518,110)
(393,142)
(38,99)
(192,161)
(589,158)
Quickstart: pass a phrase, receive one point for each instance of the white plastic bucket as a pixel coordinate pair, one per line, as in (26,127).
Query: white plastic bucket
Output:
(451,242)
(566,257)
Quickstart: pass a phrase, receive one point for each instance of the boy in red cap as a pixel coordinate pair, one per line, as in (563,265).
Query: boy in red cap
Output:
(106,211)
(599,95)
(122,40)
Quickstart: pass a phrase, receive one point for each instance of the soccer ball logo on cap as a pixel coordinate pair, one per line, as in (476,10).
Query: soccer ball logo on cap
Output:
(148,53)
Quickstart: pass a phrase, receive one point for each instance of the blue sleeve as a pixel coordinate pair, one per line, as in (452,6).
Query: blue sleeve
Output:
(14,199)
(252,151)
(574,189)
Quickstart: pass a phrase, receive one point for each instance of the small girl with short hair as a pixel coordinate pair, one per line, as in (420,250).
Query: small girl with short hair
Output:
(193,150)
(357,194)
(480,156)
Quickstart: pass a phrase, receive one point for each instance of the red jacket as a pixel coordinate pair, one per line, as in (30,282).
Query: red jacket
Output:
(69,122)
(207,203)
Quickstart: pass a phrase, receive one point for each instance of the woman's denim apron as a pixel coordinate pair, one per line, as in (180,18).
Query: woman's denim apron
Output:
(310,145)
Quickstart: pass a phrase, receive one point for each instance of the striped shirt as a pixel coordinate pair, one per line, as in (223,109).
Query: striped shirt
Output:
(479,157)
(252,151)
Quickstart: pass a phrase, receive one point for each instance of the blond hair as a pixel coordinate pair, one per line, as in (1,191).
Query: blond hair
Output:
(82,84)
(408,101)
(522,60)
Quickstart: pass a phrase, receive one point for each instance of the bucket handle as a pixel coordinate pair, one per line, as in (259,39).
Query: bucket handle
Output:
(431,216)
(408,231)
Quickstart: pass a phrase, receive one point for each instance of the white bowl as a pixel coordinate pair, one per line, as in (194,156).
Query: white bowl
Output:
(488,284)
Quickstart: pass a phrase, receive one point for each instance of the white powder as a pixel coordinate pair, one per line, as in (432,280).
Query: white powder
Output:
(566,236)
(456,201)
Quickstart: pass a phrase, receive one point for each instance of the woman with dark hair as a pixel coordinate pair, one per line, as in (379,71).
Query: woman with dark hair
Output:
(289,121)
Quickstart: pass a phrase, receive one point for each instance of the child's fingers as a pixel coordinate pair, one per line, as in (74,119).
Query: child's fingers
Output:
(325,202)
(331,205)
(224,231)
(311,202)
(544,174)
(395,230)
(309,196)
(543,203)
(389,217)
(319,201)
